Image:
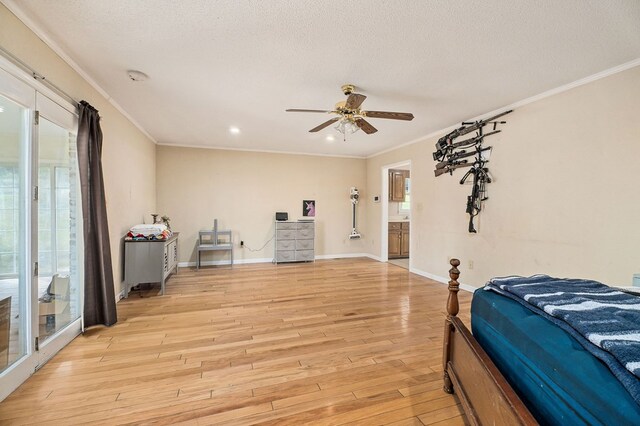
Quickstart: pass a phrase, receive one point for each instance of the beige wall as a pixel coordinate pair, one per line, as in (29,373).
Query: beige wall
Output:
(243,190)
(128,155)
(564,200)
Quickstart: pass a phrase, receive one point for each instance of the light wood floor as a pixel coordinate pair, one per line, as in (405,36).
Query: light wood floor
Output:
(349,341)
(403,263)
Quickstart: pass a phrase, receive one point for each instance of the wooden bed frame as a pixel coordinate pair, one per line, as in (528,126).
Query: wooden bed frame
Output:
(486,396)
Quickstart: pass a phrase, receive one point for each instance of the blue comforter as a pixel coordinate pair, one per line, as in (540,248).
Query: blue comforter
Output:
(604,320)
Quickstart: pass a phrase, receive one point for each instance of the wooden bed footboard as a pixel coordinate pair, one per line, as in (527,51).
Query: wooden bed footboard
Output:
(485,395)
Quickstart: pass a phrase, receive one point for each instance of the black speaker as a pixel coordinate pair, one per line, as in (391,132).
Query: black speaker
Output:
(282,216)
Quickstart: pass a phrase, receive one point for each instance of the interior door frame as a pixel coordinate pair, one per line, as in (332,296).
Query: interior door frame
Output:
(384,225)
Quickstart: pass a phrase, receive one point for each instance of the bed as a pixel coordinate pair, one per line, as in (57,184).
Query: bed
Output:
(520,368)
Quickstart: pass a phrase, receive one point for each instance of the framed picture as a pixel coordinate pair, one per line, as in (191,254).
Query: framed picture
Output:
(309,208)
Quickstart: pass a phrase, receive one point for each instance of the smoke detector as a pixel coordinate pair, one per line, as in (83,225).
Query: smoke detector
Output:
(137,75)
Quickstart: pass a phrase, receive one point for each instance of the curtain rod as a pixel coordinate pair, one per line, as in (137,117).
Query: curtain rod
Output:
(37,76)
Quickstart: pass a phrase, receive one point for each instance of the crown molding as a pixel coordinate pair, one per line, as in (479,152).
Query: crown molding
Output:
(264,151)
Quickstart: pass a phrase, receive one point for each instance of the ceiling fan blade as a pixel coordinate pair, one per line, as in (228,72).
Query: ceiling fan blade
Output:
(390,115)
(325,124)
(354,101)
(365,126)
(307,110)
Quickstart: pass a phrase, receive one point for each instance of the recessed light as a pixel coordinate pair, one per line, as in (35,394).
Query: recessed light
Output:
(234,130)
(330,138)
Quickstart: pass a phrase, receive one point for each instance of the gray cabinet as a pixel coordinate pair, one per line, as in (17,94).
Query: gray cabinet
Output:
(294,242)
(149,262)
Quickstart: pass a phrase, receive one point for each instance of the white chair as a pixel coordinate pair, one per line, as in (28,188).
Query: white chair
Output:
(215,240)
(54,301)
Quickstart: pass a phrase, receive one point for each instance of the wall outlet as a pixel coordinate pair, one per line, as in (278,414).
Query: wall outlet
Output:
(376,199)
(470,264)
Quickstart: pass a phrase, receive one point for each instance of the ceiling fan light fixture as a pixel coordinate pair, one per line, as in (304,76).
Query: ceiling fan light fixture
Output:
(347,126)
(350,117)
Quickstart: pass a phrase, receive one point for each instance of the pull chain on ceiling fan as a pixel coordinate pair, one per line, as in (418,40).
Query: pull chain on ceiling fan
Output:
(350,117)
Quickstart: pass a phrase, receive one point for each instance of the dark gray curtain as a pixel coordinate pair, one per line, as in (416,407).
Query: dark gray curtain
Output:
(99,297)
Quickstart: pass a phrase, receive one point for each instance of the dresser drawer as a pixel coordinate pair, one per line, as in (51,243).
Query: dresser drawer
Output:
(305,234)
(286,245)
(304,255)
(285,225)
(302,225)
(394,226)
(304,244)
(285,256)
(286,234)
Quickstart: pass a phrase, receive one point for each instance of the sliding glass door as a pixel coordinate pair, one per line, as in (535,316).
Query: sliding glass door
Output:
(59,217)
(40,231)
(17,106)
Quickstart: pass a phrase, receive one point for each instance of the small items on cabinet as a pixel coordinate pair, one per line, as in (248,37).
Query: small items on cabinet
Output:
(398,240)
(397,184)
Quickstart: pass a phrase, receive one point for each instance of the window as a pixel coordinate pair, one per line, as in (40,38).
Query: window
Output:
(404,208)
(9,220)
(53,219)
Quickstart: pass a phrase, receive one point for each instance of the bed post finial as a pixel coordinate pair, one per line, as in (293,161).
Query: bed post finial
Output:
(452,311)
(452,303)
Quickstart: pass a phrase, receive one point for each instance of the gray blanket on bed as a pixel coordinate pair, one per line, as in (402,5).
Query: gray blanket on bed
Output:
(604,320)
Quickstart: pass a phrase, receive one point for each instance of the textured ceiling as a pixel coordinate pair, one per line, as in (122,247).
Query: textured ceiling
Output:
(216,64)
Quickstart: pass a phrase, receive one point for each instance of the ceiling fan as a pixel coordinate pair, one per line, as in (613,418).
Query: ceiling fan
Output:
(350,117)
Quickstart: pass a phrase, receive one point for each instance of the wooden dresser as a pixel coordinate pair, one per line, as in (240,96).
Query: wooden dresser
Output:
(149,262)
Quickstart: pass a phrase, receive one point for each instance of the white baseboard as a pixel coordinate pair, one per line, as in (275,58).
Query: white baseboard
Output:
(341,256)
(440,279)
(120,295)
(372,256)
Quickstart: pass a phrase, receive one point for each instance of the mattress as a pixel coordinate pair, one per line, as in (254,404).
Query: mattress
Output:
(557,379)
